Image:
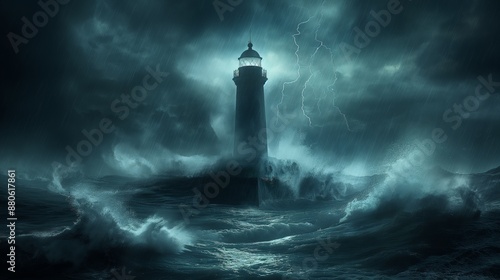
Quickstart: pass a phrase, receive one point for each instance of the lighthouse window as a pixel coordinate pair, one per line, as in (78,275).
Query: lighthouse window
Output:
(249,61)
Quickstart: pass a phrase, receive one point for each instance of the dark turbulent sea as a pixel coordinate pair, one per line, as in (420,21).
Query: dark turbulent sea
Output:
(431,224)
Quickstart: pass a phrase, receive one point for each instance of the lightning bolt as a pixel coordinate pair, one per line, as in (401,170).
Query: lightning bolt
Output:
(330,88)
(311,73)
(297,63)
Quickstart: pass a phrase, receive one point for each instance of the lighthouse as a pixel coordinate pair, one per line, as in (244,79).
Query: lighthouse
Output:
(242,176)
(250,139)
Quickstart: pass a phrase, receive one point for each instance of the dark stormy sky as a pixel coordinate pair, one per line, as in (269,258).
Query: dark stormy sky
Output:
(359,112)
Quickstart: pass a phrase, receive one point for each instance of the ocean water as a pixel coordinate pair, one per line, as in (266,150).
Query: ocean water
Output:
(431,224)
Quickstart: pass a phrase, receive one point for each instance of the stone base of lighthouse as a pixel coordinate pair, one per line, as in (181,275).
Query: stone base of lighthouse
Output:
(232,184)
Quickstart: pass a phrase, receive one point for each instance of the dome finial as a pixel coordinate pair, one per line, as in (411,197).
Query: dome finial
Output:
(250,45)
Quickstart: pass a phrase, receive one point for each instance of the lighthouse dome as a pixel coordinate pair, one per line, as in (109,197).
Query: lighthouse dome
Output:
(250,52)
(250,57)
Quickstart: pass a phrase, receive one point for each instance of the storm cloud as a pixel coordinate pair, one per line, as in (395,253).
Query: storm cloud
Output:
(364,108)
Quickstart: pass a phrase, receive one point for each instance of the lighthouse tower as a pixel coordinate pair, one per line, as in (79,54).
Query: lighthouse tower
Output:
(250,140)
(243,176)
